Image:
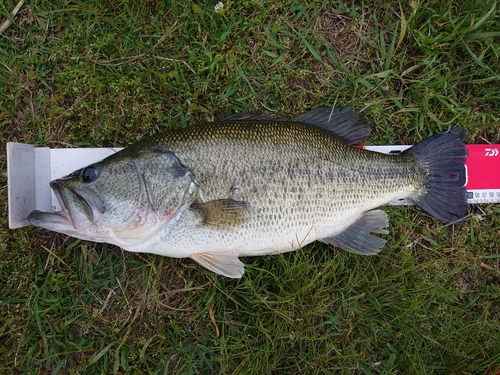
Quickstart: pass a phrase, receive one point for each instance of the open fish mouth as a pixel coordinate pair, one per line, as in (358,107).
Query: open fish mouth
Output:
(80,209)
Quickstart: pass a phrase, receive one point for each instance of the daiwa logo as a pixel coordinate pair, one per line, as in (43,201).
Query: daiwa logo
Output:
(491,152)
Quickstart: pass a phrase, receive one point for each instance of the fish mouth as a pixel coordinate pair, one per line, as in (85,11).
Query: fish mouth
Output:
(80,209)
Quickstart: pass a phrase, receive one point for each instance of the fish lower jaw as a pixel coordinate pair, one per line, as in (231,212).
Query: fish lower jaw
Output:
(65,214)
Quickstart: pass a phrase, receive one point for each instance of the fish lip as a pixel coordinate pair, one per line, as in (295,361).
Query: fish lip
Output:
(61,190)
(61,219)
(39,218)
(58,188)
(95,205)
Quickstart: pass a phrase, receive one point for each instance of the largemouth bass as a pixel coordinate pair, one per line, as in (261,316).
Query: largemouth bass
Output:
(253,185)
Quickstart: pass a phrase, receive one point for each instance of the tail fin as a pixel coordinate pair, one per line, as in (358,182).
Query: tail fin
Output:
(442,160)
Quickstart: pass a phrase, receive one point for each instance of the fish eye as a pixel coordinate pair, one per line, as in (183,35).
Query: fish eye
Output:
(90,174)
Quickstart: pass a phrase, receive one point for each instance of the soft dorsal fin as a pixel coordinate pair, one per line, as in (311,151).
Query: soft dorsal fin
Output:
(222,213)
(346,124)
(358,238)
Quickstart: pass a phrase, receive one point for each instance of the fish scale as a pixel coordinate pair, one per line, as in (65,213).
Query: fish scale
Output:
(269,162)
(253,185)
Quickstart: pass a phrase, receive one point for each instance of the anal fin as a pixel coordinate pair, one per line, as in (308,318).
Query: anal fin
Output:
(224,263)
(358,238)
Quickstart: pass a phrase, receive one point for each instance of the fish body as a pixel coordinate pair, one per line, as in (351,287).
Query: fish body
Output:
(252,185)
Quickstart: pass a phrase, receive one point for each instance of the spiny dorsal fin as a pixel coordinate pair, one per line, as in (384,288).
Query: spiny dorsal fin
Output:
(358,238)
(344,123)
(251,116)
(224,263)
(222,213)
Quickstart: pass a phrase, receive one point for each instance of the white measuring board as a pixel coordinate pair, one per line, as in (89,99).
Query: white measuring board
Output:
(30,169)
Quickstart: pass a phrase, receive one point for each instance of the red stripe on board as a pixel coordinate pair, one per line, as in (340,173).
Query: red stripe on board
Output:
(483,167)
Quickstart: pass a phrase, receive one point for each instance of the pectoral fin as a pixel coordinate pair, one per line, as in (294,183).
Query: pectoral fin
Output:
(222,213)
(358,238)
(224,263)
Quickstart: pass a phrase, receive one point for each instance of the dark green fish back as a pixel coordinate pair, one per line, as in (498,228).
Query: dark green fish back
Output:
(290,163)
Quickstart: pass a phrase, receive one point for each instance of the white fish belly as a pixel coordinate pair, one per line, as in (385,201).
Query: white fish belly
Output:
(270,229)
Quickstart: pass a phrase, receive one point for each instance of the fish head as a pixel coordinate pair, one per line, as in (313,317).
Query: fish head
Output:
(124,199)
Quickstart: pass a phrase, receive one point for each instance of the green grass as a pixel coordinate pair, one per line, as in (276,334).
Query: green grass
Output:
(104,73)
